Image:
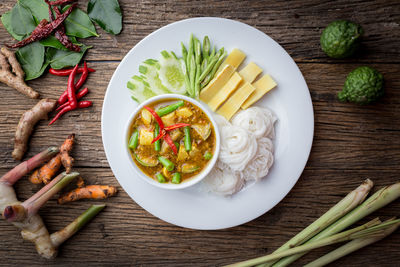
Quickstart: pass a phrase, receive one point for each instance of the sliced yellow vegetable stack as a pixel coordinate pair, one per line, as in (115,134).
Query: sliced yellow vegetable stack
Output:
(231,90)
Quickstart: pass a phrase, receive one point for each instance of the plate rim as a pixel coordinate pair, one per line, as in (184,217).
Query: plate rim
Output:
(309,144)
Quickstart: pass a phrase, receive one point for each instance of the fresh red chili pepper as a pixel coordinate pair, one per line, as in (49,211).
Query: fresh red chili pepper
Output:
(79,95)
(60,2)
(83,77)
(66,72)
(63,97)
(71,88)
(171,143)
(176,126)
(64,110)
(44,29)
(155,115)
(60,31)
(159,136)
(85,104)
(81,104)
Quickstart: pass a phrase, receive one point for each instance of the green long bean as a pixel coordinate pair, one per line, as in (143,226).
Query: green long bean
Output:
(160,178)
(192,73)
(157,144)
(197,51)
(206,47)
(134,140)
(168,109)
(176,178)
(187,139)
(184,52)
(166,163)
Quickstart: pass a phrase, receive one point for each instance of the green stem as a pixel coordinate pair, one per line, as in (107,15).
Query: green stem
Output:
(33,204)
(27,166)
(350,247)
(59,237)
(372,228)
(378,200)
(349,202)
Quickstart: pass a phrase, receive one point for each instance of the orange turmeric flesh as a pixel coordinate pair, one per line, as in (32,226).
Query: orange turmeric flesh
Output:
(50,169)
(47,171)
(88,192)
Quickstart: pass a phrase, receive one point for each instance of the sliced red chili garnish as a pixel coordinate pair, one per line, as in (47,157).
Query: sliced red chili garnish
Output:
(176,126)
(155,115)
(169,141)
(159,136)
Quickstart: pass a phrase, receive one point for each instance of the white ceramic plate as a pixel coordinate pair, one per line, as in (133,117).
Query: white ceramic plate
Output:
(290,101)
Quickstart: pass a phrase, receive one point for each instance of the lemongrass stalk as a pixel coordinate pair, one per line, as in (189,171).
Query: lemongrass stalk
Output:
(350,247)
(59,237)
(28,208)
(348,203)
(378,200)
(25,167)
(372,228)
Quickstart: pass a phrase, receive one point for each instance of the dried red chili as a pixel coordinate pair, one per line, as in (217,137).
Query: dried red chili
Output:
(44,29)
(60,31)
(60,2)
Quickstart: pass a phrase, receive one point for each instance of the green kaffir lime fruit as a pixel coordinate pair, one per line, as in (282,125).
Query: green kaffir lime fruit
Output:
(363,86)
(341,38)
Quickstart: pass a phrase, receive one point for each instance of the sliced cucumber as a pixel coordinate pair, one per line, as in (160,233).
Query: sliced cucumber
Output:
(172,73)
(147,162)
(149,69)
(139,89)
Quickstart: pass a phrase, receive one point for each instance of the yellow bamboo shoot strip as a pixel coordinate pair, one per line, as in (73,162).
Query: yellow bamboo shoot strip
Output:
(233,104)
(217,83)
(262,86)
(250,72)
(225,92)
(235,58)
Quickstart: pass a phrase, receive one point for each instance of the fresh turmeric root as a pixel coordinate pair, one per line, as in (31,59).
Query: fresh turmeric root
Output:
(14,78)
(47,171)
(50,169)
(88,192)
(66,160)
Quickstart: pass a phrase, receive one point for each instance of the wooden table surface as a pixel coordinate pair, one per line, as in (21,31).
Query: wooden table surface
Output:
(351,143)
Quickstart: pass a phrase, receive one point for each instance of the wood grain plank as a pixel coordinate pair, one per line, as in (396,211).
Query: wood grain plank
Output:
(296,25)
(125,234)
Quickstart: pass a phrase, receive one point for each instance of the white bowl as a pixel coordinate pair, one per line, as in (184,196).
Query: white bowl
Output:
(193,180)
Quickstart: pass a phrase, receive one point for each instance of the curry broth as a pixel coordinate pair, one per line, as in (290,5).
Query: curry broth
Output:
(199,146)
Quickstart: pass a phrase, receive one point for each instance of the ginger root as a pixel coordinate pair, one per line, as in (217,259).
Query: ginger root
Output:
(50,169)
(27,123)
(14,78)
(88,192)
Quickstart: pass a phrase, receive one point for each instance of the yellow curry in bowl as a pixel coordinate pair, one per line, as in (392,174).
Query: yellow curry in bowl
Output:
(171,140)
